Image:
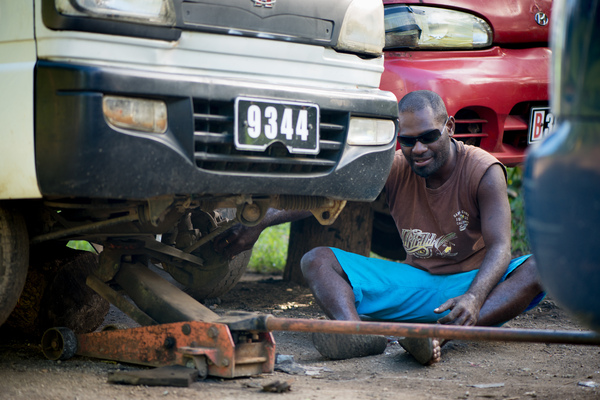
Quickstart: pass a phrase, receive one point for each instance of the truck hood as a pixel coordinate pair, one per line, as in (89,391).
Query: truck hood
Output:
(308,21)
(512,21)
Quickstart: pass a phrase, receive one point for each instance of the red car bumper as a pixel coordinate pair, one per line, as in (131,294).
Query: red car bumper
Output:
(489,92)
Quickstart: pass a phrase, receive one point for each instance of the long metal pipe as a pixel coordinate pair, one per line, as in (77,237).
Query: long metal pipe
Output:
(433,330)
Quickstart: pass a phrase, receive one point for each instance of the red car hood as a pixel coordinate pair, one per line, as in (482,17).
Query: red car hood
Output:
(513,21)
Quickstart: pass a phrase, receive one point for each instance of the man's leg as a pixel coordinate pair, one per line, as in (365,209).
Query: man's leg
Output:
(332,291)
(512,296)
(507,300)
(329,284)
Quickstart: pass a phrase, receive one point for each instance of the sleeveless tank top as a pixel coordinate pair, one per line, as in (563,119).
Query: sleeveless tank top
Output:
(440,228)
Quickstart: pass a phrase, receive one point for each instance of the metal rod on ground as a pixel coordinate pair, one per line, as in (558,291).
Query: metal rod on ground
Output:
(433,330)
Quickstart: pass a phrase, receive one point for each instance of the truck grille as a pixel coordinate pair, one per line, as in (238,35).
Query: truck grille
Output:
(214,149)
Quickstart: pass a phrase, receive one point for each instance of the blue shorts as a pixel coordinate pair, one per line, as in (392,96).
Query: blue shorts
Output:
(392,291)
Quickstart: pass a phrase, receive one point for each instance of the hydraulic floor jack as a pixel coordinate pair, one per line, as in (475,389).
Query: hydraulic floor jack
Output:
(179,332)
(175,328)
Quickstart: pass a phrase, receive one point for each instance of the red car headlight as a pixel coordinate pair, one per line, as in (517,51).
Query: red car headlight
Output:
(419,27)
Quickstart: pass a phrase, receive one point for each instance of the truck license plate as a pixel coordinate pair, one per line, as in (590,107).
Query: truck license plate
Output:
(260,123)
(541,122)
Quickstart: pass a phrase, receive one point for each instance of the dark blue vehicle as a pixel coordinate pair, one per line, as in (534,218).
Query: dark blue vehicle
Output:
(562,176)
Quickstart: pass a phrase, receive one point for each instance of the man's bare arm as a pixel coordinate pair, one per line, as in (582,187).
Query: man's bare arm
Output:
(241,238)
(495,226)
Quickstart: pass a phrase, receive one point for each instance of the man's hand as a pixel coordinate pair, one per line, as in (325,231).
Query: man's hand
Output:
(464,310)
(237,239)
(240,238)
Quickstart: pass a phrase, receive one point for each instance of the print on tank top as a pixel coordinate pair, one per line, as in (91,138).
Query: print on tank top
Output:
(426,245)
(462,219)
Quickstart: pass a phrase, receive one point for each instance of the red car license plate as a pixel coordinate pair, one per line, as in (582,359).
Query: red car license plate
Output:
(541,122)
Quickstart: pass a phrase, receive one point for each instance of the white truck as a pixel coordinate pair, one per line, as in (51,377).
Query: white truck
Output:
(128,120)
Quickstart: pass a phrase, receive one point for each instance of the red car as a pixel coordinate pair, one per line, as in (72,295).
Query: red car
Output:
(489,60)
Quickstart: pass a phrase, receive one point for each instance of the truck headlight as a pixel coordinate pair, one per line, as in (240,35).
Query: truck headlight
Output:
(135,114)
(418,27)
(370,131)
(362,29)
(159,12)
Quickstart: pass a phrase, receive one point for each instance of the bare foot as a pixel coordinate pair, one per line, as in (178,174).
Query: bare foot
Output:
(437,352)
(426,351)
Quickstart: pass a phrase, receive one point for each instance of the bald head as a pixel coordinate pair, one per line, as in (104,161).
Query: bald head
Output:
(421,99)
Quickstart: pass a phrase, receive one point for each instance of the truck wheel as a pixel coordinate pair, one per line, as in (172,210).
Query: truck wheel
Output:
(14,259)
(217,275)
(221,275)
(212,288)
(385,240)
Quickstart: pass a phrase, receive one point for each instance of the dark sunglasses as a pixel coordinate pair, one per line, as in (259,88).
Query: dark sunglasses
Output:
(425,138)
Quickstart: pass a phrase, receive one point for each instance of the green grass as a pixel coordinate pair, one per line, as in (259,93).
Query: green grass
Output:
(270,251)
(81,245)
(520,244)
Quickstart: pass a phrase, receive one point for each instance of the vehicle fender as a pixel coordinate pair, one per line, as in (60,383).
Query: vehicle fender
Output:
(17,62)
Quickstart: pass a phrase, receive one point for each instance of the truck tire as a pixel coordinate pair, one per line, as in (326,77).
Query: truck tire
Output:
(212,289)
(56,294)
(217,275)
(14,259)
(231,271)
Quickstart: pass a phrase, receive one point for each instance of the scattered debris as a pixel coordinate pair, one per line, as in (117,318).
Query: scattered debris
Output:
(313,371)
(255,385)
(291,368)
(590,384)
(278,387)
(283,358)
(488,385)
(285,363)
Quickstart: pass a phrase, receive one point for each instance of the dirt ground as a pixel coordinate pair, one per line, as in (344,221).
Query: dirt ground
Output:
(468,370)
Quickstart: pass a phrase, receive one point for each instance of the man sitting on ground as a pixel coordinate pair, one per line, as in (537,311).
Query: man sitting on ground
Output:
(450,205)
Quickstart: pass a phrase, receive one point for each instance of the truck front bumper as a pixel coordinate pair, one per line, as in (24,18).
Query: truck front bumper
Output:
(79,154)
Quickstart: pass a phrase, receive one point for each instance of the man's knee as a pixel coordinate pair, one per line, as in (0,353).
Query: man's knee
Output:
(317,259)
(528,273)
(312,260)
